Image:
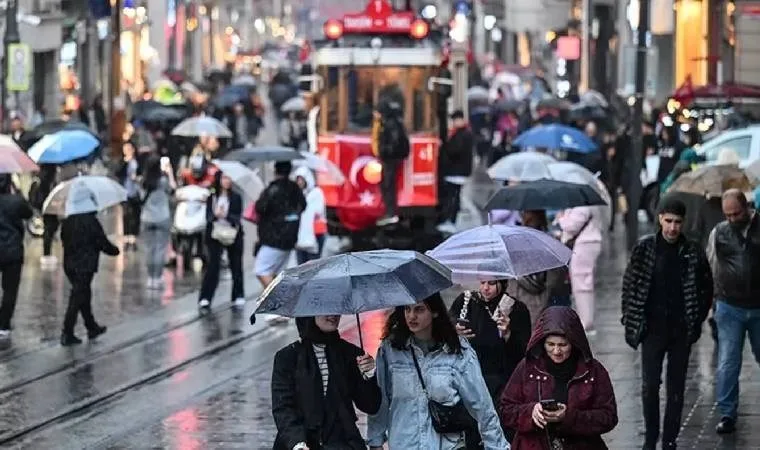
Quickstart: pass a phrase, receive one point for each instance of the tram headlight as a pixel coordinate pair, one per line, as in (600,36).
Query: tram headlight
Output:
(333,29)
(373,172)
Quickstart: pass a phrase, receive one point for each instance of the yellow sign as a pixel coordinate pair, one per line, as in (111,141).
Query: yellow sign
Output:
(19,59)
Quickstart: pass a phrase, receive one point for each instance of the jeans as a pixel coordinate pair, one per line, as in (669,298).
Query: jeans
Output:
(80,301)
(213,263)
(303,256)
(388,187)
(156,242)
(653,351)
(11,281)
(733,324)
(51,227)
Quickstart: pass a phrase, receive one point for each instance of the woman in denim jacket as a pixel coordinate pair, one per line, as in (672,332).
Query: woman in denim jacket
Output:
(451,372)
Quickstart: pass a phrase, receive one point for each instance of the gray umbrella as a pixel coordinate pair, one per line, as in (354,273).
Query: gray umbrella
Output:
(250,155)
(352,283)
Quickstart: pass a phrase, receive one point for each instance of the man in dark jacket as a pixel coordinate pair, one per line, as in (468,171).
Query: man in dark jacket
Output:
(456,161)
(13,211)
(667,291)
(393,149)
(279,210)
(734,252)
(83,240)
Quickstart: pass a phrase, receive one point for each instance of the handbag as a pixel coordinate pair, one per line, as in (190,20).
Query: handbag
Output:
(224,233)
(250,213)
(446,419)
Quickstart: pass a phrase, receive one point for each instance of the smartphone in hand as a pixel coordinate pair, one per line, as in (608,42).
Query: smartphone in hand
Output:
(550,405)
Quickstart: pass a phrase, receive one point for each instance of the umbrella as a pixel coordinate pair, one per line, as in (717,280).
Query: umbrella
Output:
(352,283)
(585,111)
(244,80)
(525,166)
(63,147)
(201,127)
(250,155)
(712,181)
(544,194)
(13,159)
(552,103)
(53,126)
(753,172)
(295,104)
(556,137)
(163,114)
(594,98)
(231,95)
(508,106)
(322,166)
(245,179)
(575,173)
(477,93)
(498,252)
(84,194)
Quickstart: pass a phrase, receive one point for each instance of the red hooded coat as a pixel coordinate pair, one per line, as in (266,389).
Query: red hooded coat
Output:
(591,406)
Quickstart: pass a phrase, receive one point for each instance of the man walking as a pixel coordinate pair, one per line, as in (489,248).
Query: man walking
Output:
(733,249)
(667,292)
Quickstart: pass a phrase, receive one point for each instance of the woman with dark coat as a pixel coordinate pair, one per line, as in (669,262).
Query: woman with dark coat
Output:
(315,383)
(13,211)
(223,207)
(560,370)
(498,328)
(83,241)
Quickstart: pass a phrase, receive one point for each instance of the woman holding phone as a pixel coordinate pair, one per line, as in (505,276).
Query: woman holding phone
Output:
(498,328)
(156,216)
(559,396)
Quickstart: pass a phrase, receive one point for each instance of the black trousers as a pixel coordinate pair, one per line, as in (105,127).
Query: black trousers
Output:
(213,265)
(11,280)
(51,227)
(450,201)
(653,351)
(131,216)
(80,301)
(388,187)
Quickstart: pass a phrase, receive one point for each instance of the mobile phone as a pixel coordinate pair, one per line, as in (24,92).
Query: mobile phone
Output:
(165,162)
(549,405)
(463,322)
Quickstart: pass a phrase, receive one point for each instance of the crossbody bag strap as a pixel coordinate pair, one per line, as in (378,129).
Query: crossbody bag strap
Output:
(585,224)
(419,372)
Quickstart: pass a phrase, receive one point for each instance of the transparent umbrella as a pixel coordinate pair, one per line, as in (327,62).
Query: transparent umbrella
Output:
(245,180)
(498,252)
(202,127)
(323,166)
(524,166)
(84,194)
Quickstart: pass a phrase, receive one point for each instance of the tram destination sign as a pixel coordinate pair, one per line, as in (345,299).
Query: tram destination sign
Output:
(379,17)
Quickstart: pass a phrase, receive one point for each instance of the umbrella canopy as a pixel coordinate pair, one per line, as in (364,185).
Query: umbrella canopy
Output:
(712,181)
(594,98)
(295,104)
(244,80)
(585,111)
(552,103)
(525,166)
(84,194)
(353,283)
(63,147)
(508,106)
(163,114)
(140,107)
(323,167)
(53,126)
(13,159)
(251,155)
(544,194)
(498,252)
(477,93)
(245,179)
(202,127)
(556,137)
(231,95)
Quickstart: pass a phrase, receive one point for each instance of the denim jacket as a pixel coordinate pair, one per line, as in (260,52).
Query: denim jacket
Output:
(403,419)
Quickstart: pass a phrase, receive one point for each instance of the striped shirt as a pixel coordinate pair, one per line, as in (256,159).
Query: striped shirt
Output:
(319,352)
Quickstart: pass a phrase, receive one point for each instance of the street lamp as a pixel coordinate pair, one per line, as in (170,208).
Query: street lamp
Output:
(11,37)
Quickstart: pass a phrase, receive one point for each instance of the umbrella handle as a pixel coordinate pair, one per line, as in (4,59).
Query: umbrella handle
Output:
(489,218)
(359,326)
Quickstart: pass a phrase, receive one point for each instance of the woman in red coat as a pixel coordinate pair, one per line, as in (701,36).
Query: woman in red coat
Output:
(559,396)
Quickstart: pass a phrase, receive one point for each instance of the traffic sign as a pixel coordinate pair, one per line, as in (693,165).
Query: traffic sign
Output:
(19,67)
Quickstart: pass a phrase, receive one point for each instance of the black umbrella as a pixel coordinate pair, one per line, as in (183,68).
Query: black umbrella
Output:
(52,126)
(508,106)
(584,111)
(352,283)
(251,155)
(544,194)
(139,108)
(164,114)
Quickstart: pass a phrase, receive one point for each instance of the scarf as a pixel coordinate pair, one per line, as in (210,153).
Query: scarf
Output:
(562,373)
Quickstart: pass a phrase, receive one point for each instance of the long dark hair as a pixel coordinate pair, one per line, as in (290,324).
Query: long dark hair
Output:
(152,173)
(397,331)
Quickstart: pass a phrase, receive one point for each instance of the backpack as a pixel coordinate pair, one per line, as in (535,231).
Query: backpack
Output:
(394,140)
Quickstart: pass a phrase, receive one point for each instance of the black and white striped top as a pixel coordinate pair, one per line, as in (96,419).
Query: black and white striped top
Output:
(319,351)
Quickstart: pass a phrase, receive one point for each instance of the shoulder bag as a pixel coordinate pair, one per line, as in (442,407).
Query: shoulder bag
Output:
(224,233)
(446,419)
(570,243)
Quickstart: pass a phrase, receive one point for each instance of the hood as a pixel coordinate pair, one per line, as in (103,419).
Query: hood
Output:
(563,321)
(307,175)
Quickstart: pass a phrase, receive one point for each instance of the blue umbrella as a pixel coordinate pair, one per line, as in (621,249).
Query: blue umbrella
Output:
(63,147)
(556,137)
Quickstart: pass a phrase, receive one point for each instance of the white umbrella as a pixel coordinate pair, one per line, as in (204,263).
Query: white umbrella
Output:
(323,166)
(84,194)
(246,180)
(477,93)
(202,127)
(523,166)
(244,80)
(294,104)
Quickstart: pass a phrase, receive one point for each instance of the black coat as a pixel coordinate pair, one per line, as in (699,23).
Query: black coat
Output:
(301,411)
(234,212)
(498,358)
(83,239)
(13,211)
(737,270)
(456,155)
(696,284)
(279,209)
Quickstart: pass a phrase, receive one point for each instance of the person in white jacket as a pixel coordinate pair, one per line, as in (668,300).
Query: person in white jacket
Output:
(313,226)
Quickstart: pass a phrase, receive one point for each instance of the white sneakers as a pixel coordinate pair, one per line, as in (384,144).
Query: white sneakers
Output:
(154,283)
(239,302)
(447,227)
(5,334)
(204,303)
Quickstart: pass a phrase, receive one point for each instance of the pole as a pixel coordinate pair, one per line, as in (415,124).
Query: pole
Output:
(585,79)
(115,100)
(11,37)
(635,156)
